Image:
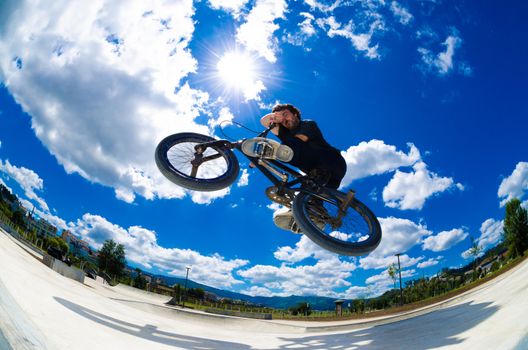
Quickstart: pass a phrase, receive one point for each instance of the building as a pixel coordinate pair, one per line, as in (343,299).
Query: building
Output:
(41,227)
(77,246)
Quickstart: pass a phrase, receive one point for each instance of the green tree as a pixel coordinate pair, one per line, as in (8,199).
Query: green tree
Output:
(358,305)
(18,219)
(5,193)
(304,309)
(58,243)
(140,281)
(196,293)
(474,251)
(111,258)
(516,228)
(392,270)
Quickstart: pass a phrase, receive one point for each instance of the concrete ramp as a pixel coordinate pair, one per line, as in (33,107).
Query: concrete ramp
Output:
(40,309)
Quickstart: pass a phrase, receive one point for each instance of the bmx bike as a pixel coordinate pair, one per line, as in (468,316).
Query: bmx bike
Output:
(334,220)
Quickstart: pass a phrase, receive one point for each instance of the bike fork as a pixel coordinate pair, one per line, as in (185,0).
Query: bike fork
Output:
(344,205)
(349,197)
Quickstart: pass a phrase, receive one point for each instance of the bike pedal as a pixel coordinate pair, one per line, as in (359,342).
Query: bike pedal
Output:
(262,149)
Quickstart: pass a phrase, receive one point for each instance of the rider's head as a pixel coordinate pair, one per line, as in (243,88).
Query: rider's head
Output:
(286,106)
(291,116)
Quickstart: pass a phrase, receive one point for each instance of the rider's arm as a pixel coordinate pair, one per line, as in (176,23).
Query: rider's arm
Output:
(302,137)
(266,121)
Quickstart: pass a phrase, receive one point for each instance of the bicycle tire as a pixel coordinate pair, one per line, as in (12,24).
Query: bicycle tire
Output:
(212,179)
(305,221)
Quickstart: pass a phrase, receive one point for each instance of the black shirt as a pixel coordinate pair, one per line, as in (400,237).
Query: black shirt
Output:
(311,130)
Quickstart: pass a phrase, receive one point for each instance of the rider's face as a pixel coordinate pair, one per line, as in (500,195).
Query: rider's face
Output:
(290,121)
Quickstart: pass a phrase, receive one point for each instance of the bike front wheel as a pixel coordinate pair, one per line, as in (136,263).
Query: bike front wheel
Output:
(356,231)
(174,157)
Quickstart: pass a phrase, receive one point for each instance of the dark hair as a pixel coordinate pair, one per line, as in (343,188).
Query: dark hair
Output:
(281,107)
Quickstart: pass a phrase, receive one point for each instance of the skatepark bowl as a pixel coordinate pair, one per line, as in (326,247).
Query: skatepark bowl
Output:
(41,309)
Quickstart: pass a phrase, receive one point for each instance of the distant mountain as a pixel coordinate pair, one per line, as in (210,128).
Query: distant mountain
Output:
(316,303)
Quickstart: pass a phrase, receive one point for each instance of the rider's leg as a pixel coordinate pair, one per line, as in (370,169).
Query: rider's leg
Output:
(307,158)
(337,167)
(304,155)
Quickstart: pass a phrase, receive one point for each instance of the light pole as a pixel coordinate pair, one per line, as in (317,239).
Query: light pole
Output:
(185,291)
(399,272)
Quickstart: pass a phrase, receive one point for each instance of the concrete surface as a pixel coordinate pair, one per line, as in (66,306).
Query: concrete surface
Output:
(62,268)
(40,309)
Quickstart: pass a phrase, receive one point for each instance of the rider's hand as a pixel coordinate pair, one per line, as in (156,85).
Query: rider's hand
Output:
(276,118)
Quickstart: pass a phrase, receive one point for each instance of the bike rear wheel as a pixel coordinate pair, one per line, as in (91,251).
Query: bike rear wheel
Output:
(175,153)
(358,232)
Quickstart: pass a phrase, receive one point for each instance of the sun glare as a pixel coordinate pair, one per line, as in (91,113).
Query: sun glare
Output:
(237,70)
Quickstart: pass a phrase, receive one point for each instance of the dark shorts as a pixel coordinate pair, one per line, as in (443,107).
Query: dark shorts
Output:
(308,157)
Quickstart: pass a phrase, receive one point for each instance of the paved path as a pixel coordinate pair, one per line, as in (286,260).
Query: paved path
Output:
(40,309)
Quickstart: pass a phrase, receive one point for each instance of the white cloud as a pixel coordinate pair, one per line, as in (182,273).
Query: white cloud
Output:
(113,70)
(444,240)
(317,5)
(467,254)
(143,249)
(232,6)
(443,62)
(319,279)
(357,292)
(430,262)
(381,262)
(376,285)
(225,117)
(401,13)
(257,291)
(385,279)
(274,206)
(425,32)
(56,221)
(361,41)
(208,197)
(490,234)
(256,34)
(303,249)
(307,27)
(399,236)
(410,190)
(306,31)
(28,180)
(515,185)
(244,178)
(375,157)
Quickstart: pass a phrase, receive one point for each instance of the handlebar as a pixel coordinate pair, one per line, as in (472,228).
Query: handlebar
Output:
(266,132)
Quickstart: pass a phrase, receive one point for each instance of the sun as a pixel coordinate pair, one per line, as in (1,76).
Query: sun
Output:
(237,70)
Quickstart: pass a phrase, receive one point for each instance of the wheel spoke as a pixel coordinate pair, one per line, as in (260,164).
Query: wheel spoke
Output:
(349,226)
(212,166)
(213,169)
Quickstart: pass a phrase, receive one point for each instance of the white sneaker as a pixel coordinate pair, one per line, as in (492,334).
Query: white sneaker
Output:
(261,147)
(285,221)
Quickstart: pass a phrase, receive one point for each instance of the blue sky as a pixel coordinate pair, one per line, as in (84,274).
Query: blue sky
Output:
(426,99)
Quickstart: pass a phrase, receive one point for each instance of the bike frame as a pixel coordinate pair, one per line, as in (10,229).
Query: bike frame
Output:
(270,169)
